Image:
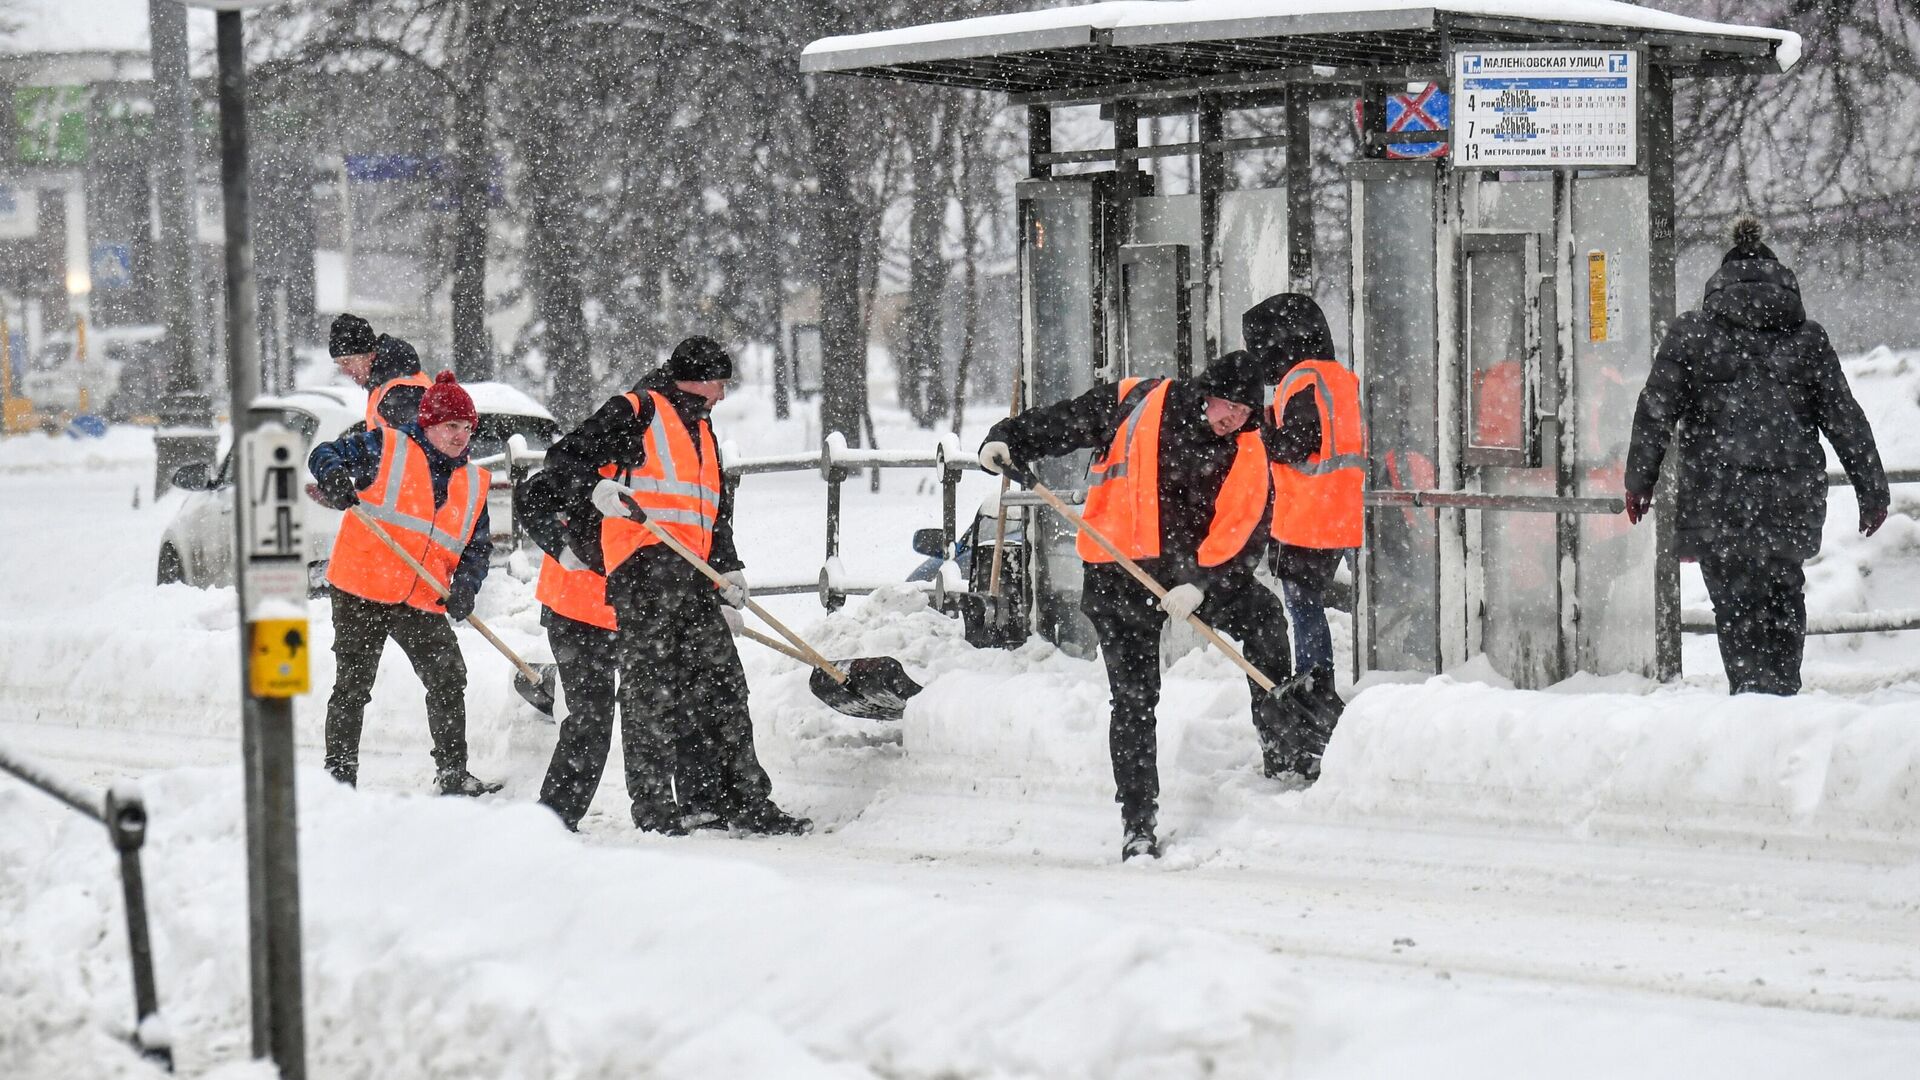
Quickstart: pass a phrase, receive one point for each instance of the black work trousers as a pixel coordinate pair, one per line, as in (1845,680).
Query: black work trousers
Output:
(1128,619)
(1760,615)
(684,727)
(589,661)
(360,631)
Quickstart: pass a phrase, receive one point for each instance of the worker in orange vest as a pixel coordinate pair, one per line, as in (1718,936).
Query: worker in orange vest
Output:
(387,368)
(687,733)
(417,485)
(1317,441)
(584,633)
(1181,486)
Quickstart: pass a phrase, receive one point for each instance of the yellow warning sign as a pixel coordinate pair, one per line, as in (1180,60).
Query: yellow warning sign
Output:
(1596,296)
(277,659)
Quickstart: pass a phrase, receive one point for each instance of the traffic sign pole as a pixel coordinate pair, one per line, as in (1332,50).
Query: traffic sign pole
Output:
(266,541)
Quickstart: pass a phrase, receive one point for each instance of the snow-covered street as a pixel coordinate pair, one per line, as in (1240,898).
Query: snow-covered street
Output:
(1606,879)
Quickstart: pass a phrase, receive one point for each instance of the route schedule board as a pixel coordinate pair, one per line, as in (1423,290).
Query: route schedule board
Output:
(1546,108)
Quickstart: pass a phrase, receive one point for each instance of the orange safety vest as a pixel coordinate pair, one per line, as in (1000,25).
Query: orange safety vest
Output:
(1123,496)
(374,420)
(580,595)
(400,501)
(678,486)
(1318,503)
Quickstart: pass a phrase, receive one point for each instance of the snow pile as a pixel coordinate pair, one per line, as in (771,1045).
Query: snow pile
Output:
(1813,767)
(35,451)
(449,938)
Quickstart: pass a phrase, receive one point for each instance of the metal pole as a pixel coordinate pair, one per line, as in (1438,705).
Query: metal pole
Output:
(186,433)
(273,870)
(126,820)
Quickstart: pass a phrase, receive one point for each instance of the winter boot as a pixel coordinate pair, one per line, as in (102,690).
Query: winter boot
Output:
(769,820)
(1138,839)
(345,772)
(462,782)
(658,816)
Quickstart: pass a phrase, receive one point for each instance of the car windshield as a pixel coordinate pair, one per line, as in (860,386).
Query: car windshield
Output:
(496,428)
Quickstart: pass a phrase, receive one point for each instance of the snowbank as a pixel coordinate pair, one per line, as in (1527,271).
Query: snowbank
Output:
(1812,767)
(447,938)
(34,451)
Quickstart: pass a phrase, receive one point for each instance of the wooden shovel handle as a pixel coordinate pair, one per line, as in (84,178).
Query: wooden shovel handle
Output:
(812,655)
(1153,586)
(440,590)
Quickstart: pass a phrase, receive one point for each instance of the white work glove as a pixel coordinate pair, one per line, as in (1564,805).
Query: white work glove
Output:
(735,591)
(996,457)
(610,497)
(735,621)
(1182,600)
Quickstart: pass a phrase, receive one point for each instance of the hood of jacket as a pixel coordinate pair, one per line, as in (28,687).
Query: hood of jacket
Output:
(393,358)
(1759,294)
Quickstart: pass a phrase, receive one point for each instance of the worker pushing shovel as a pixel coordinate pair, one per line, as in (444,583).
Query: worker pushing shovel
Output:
(1176,520)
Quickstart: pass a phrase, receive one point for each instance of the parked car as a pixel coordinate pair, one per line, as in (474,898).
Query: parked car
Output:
(197,547)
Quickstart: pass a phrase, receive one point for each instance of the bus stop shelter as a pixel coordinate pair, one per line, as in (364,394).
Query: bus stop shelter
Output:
(1507,291)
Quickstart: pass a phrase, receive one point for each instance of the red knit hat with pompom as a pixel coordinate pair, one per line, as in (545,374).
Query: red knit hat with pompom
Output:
(444,401)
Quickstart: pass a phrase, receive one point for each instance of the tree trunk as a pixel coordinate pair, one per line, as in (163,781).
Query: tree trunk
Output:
(472,169)
(843,346)
(554,271)
(923,387)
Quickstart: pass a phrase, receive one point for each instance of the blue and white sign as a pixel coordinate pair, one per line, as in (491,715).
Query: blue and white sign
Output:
(111,266)
(1546,108)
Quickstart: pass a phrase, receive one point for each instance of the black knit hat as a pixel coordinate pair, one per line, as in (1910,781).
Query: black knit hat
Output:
(1746,243)
(350,335)
(699,359)
(1235,377)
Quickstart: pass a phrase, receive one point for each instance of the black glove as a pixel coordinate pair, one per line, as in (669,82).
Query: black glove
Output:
(1638,503)
(1871,518)
(459,604)
(335,491)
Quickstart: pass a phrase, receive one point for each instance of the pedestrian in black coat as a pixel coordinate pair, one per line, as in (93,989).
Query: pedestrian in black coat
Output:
(1750,383)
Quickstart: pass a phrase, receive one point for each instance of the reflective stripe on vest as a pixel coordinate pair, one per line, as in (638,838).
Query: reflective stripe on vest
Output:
(379,393)
(400,501)
(1318,502)
(678,485)
(1123,498)
(580,595)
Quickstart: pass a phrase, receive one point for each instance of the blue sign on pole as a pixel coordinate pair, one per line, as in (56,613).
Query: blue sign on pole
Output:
(111,266)
(1426,110)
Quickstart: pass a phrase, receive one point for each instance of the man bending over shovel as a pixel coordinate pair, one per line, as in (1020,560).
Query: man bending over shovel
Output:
(1181,487)
(683,694)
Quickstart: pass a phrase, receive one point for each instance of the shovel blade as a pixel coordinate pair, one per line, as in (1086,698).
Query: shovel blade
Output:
(877,688)
(540,694)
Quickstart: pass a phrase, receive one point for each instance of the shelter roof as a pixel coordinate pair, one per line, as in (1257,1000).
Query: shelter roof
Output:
(1120,42)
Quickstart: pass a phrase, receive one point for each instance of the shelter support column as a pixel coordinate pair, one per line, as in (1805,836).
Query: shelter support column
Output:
(1657,124)
(1299,189)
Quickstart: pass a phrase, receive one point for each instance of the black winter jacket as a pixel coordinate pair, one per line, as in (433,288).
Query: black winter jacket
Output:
(395,359)
(616,435)
(1751,384)
(1193,465)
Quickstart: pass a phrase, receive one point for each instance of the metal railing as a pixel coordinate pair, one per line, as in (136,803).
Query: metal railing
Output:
(836,462)
(124,813)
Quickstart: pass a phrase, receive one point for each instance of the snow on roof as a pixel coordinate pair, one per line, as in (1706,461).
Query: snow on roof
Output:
(75,26)
(1141,21)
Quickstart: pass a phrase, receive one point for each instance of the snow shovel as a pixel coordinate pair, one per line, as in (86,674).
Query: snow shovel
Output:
(1218,642)
(870,687)
(536,685)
